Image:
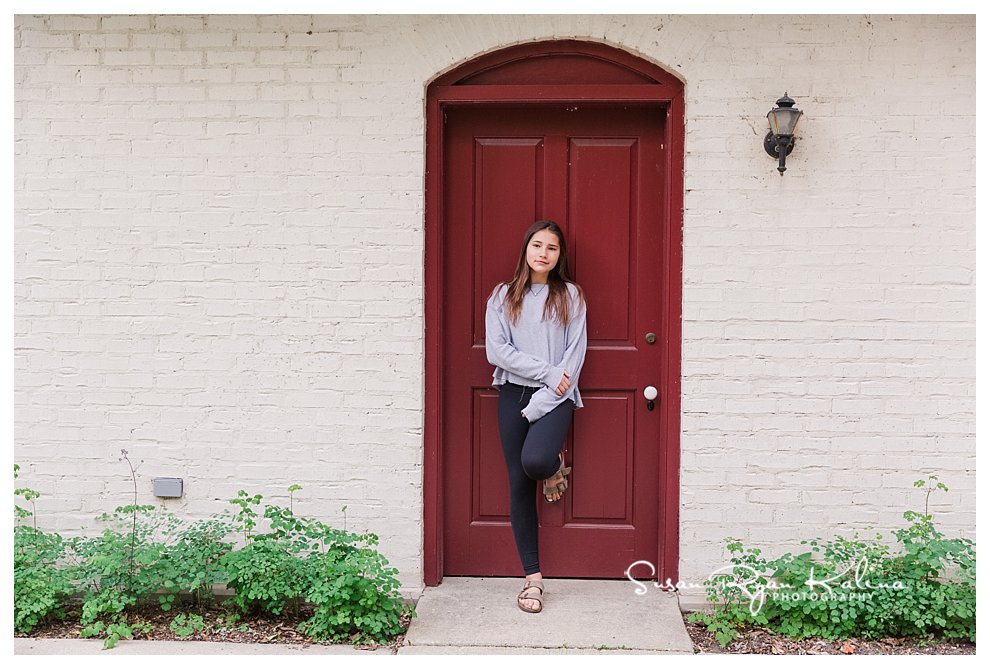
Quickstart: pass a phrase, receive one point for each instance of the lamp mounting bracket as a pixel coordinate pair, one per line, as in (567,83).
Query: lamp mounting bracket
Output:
(770,145)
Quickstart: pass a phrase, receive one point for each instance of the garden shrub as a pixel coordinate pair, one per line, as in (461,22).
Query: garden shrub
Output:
(851,587)
(40,584)
(264,576)
(353,590)
(339,574)
(146,554)
(126,564)
(193,563)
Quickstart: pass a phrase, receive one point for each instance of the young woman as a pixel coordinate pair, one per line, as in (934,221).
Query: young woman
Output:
(535,335)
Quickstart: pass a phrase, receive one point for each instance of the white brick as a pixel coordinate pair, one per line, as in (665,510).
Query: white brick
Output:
(104,41)
(208,40)
(124,23)
(177,57)
(282,56)
(327,55)
(285,23)
(156,41)
(185,24)
(259,74)
(72,57)
(227,57)
(232,93)
(126,57)
(316,40)
(155,75)
(35,39)
(265,39)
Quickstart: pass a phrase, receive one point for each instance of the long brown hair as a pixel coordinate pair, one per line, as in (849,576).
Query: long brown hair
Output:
(557,306)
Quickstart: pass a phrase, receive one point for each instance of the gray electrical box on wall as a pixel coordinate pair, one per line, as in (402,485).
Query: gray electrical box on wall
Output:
(167,487)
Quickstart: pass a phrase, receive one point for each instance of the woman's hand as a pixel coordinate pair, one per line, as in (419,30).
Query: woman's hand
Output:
(565,383)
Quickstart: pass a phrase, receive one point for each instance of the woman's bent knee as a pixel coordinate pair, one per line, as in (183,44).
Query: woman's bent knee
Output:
(539,468)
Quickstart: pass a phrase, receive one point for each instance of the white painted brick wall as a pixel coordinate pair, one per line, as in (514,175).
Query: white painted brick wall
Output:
(219,243)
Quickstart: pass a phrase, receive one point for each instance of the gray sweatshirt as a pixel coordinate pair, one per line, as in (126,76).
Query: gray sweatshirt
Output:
(534,352)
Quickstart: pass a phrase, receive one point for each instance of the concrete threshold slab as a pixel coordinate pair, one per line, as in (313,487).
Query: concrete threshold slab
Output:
(578,615)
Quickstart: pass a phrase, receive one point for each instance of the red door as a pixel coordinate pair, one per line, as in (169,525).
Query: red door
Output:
(599,172)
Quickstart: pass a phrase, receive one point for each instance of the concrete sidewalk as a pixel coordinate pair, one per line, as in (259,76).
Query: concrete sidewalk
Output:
(126,647)
(474,616)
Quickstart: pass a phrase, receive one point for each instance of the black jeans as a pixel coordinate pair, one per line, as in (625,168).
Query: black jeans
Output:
(531,453)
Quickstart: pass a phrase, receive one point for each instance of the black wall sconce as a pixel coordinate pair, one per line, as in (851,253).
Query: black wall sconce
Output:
(783,119)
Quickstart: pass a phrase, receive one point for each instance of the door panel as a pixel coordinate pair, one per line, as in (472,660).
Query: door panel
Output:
(508,176)
(490,479)
(597,172)
(594,464)
(601,178)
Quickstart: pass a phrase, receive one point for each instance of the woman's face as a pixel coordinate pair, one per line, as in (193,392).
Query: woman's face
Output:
(542,254)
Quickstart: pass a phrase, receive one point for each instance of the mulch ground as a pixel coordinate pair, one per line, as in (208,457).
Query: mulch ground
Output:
(220,624)
(152,624)
(761,641)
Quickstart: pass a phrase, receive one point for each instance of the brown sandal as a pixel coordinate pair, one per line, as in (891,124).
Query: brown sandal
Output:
(560,486)
(538,584)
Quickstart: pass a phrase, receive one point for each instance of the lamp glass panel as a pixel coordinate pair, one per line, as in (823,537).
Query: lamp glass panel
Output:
(783,120)
(797,117)
(772,118)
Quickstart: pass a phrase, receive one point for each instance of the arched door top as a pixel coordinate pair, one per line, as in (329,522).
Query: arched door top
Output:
(559,62)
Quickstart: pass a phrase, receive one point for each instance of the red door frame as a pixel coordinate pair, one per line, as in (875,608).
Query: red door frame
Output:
(445,92)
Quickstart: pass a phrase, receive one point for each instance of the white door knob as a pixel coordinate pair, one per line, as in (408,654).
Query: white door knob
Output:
(650,393)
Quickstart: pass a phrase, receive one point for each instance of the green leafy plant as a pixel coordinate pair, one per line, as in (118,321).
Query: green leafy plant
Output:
(354,591)
(145,554)
(141,627)
(852,587)
(348,582)
(194,558)
(264,576)
(116,568)
(113,632)
(29,495)
(246,518)
(230,621)
(732,606)
(123,564)
(186,625)
(40,584)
